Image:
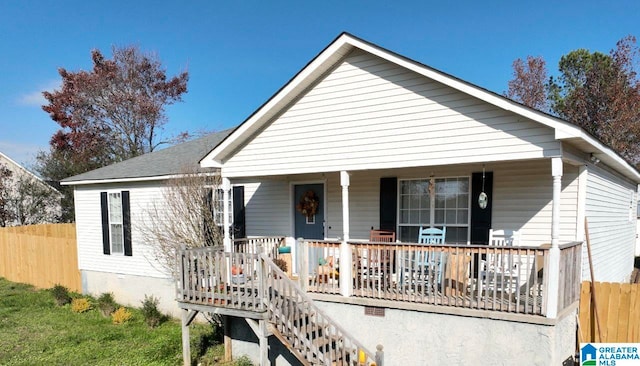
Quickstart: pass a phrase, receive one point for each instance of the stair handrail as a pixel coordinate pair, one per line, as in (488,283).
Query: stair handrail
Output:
(277,273)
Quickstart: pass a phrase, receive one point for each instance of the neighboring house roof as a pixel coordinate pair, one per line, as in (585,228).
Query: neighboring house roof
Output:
(155,165)
(343,45)
(15,167)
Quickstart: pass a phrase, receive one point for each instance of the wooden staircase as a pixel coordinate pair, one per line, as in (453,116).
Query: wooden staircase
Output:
(210,277)
(310,334)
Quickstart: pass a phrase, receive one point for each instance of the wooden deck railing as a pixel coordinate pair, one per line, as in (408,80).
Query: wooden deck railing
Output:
(506,279)
(253,282)
(210,276)
(312,334)
(321,265)
(250,245)
(570,274)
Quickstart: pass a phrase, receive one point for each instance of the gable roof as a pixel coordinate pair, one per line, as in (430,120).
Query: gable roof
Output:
(155,165)
(343,45)
(13,166)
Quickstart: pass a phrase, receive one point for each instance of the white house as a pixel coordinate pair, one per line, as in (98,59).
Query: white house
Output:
(111,202)
(368,130)
(31,200)
(385,142)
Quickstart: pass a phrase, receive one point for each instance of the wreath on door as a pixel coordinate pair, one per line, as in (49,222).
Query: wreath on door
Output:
(309,203)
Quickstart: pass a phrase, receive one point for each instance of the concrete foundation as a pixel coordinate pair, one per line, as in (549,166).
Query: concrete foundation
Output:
(421,338)
(130,290)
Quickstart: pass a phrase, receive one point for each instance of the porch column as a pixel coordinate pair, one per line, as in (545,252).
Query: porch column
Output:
(226,241)
(345,250)
(554,252)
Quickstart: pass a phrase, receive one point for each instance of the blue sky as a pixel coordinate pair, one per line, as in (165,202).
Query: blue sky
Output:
(239,53)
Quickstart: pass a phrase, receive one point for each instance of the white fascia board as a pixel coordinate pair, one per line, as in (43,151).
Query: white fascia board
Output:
(207,162)
(215,157)
(611,155)
(126,180)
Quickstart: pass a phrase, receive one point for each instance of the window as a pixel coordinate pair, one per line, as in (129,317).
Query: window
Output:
(218,207)
(435,202)
(116,223)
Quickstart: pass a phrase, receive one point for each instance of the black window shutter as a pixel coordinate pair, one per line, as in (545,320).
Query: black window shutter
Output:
(126,223)
(388,203)
(239,226)
(104,210)
(481,218)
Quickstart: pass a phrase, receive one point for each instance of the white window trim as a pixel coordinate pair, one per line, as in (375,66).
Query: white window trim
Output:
(218,200)
(432,205)
(111,224)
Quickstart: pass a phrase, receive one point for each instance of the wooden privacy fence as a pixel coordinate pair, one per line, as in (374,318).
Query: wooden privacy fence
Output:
(618,307)
(40,255)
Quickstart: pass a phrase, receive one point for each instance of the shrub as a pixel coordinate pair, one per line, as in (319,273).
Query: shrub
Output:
(80,305)
(152,316)
(61,295)
(121,316)
(243,361)
(106,304)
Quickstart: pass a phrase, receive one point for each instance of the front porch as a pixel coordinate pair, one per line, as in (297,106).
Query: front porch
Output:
(246,283)
(384,271)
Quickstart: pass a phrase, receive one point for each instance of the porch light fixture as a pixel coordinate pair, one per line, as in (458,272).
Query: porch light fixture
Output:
(594,159)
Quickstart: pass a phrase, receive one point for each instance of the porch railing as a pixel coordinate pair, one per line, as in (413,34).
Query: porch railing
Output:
(253,282)
(321,265)
(210,276)
(506,279)
(251,245)
(570,274)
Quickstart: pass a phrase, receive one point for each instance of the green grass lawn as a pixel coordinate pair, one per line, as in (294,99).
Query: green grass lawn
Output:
(35,331)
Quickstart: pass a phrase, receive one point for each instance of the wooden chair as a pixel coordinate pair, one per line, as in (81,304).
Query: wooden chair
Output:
(382,236)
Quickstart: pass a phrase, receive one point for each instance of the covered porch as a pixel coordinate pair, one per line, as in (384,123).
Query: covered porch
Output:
(538,198)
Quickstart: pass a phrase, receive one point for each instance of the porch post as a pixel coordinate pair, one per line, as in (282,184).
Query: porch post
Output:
(554,252)
(345,249)
(226,187)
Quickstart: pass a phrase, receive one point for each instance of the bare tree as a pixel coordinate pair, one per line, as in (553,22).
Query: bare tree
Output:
(5,182)
(26,200)
(185,217)
(529,83)
(33,201)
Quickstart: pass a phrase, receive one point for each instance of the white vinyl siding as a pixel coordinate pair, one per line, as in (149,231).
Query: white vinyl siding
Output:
(267,208)
(372,114)
(89,230)
(521,200)
(611,232)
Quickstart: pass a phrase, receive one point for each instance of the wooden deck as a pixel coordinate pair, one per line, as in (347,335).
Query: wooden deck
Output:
(389,272)
(250,285)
